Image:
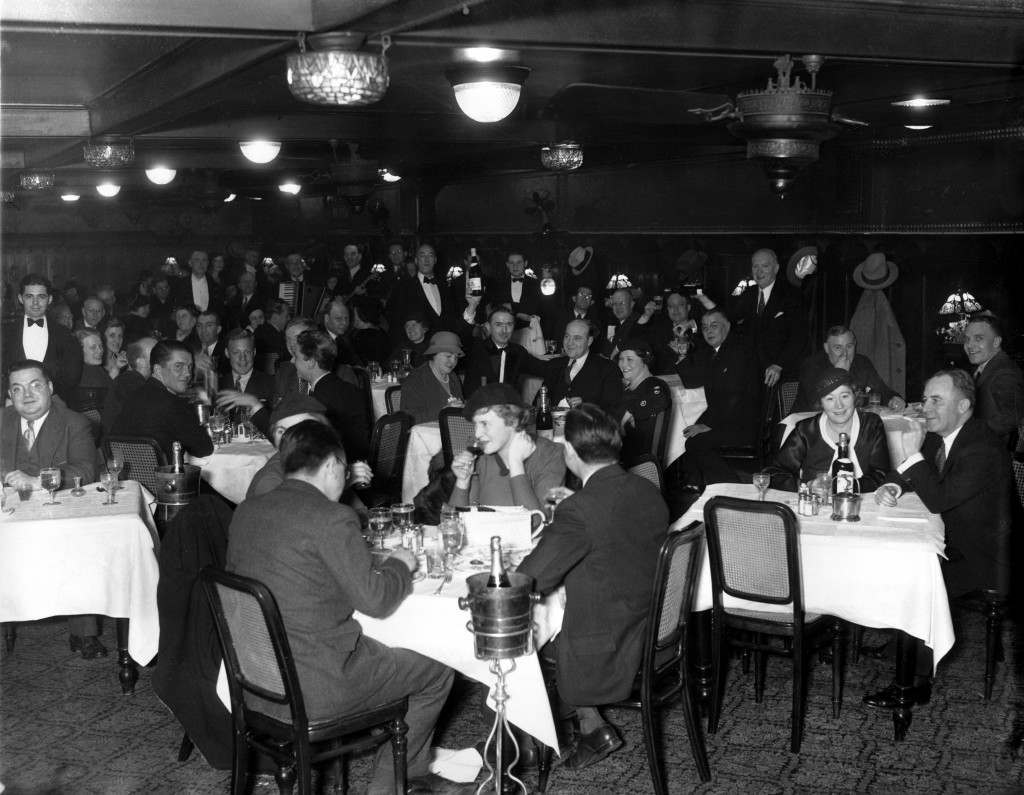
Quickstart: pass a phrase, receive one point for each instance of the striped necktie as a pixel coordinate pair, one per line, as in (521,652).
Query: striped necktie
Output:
(30,434)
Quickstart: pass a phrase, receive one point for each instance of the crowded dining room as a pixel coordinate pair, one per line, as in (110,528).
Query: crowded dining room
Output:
(408,396)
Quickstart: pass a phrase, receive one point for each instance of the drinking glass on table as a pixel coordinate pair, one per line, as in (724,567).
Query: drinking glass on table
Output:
(115,463)
(761,481)
(49,478)
(380,525)
(108,482)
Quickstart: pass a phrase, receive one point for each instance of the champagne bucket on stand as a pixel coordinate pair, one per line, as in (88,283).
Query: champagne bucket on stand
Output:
(176,488)
(501,623)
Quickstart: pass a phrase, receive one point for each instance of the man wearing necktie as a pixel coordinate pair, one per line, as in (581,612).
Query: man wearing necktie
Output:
(252,389)
(998,380)
(582,376)
(37,431)
(961,470)
(36,338)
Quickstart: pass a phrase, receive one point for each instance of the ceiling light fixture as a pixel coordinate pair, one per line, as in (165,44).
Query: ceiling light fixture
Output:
(920,102)
(260,151)
(230,198)
(291,188)
(337,73)
(487,91)
(918,127)
(70,197)
(109,154)
(160,175)
(387,176)
(36,180)
(108,189)
(565,156)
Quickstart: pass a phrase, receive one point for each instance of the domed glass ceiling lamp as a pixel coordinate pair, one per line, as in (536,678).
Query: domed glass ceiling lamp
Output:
(336,71)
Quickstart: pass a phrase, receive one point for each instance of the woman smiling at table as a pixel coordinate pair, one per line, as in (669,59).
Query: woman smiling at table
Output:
(644,397)
(813,444)
(434,385)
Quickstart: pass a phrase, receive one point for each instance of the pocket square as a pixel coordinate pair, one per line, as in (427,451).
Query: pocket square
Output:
(778,315)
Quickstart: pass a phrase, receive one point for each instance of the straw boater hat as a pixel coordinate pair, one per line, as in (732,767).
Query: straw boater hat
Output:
(579,258)
(806,251)
(876,272)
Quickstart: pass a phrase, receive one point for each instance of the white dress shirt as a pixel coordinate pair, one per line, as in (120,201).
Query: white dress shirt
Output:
(201,293)
(432,292)
(35,340)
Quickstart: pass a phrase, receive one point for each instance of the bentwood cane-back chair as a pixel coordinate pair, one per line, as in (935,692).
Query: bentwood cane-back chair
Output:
(457,432)
(141,455)
(261,674)
(754,554)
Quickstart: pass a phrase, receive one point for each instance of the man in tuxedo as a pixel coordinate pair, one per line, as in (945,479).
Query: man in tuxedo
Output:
(770,316)
(160,409)
(496,359)
(248,387)
(37,432)
(603,547)
(244,301)
(728,371)
(303,297)
(427,293)
(999,382)
(961,470)
(520,291)
(315,357)
(582,376)
(198,289)
(38,339)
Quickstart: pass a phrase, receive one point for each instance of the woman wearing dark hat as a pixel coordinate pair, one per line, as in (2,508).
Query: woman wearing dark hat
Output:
(513,468)
(434,385)
(811,447)
(644,398)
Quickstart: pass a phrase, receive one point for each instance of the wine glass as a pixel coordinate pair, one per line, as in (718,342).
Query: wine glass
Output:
(380,524)
(78,491)
(115,463)
(761,482)
(49,478)
(109,482)
(451,540)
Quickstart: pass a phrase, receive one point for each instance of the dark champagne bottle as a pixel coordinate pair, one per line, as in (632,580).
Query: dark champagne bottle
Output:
(544,422)
(499,577)
(843,479)
(474,275)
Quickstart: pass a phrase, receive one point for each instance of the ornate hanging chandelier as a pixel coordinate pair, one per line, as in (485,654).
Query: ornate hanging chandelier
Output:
(565,156)
(337,73)
(109,154)
(36,180)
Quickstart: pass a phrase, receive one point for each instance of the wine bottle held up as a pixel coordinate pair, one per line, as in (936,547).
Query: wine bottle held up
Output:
(474,274)
(843,478)
(499,577)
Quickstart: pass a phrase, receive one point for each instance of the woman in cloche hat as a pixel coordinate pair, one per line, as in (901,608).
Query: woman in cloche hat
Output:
(434,385)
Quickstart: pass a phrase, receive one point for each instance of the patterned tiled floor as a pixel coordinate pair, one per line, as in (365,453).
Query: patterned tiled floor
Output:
(65,728)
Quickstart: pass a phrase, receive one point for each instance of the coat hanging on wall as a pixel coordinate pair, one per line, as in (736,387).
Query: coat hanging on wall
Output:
(874,323)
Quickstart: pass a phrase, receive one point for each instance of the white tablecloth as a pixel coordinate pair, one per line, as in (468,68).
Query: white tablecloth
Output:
(424,444)
(435,627)
(895,423)
(687,406)
(377,391)
(232,466)
(880,572)
(82,557)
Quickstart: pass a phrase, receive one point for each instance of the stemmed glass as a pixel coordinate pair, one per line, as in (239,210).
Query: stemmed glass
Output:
(78,491)
(380,524)
(761,482)
(49,478)
(109,483)
(451,539)
(115,463)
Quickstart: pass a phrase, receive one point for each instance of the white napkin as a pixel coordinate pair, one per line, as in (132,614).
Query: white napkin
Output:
(461,766)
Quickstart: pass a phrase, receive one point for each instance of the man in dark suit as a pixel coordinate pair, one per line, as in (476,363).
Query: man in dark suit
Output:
(728,371)
(247,299)
(346,408)
(303,298)
(133,377)
(309,551)
(496,359)
(34,337)
(354,274)
(961,470)
(198,289)
(427,293)
(209,351)
(518,290)
(998,380)
(94,312)
(624,325)
(159,408)
(770,316)
(247,387)
(603,547)
(582,376)
(36,432)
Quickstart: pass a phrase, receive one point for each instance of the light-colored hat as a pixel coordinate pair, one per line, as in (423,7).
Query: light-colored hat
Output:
(579,258)
(444,342)
(806,251)
(876,272)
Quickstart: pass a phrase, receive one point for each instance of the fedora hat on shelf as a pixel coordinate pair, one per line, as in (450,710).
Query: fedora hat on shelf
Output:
(796,259)
(579,258)
(876,272)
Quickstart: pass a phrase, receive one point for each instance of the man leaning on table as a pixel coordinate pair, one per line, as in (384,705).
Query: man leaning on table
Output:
(38,431)
(959,469)
(603,547)
(309,551)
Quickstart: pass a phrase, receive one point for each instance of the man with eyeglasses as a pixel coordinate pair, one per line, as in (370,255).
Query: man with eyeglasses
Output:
(39,432)
(160,409)
(36,338)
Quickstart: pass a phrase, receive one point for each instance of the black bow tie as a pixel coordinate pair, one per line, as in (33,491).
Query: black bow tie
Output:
(32,322)
(429,280)
(514,280)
